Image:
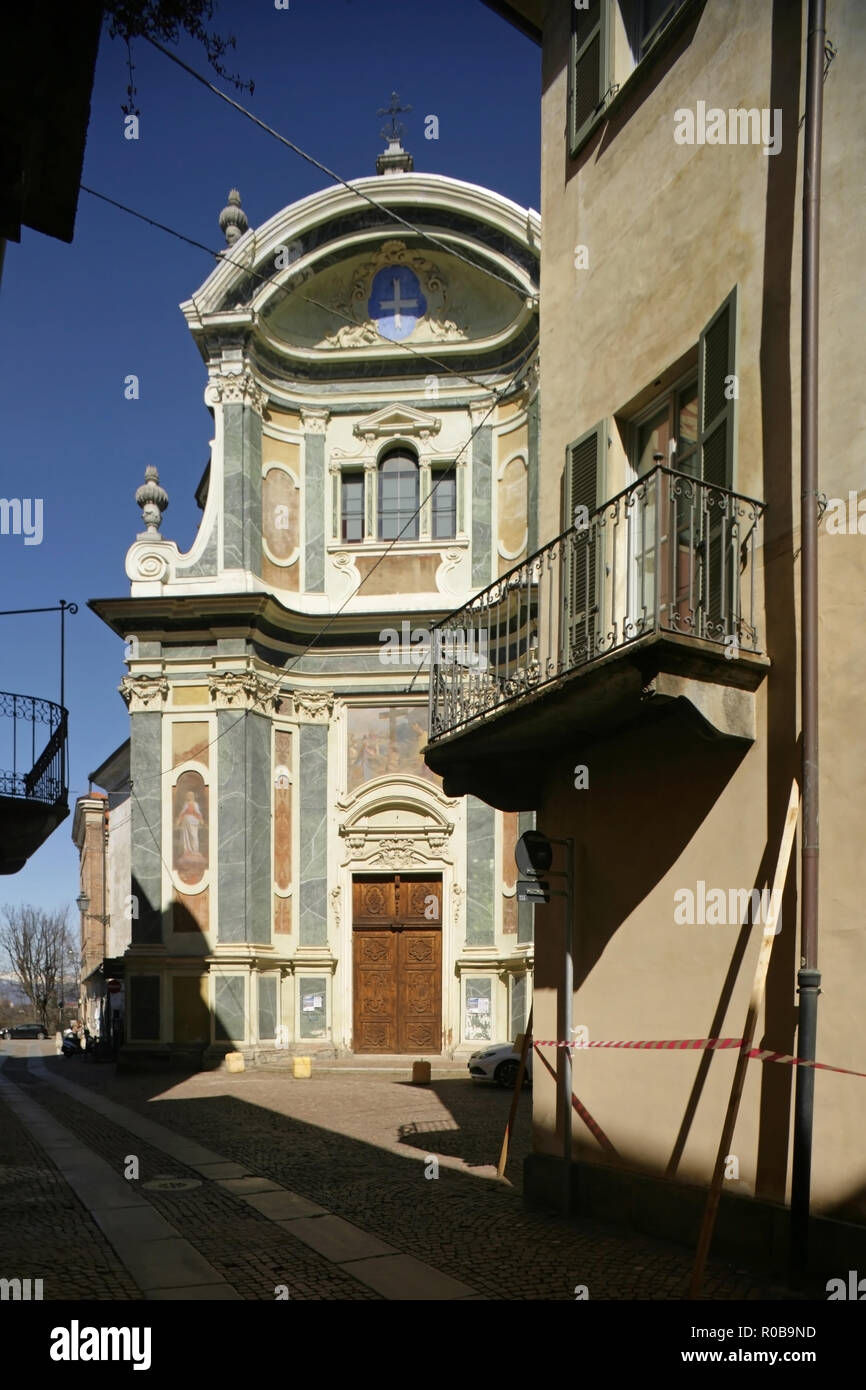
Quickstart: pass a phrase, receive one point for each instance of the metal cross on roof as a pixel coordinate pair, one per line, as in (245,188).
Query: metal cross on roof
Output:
(397,129)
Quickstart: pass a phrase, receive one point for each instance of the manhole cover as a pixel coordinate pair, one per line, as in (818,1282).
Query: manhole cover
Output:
(164,1184)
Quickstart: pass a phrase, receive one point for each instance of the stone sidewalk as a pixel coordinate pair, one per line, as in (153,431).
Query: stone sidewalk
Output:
(344,1186)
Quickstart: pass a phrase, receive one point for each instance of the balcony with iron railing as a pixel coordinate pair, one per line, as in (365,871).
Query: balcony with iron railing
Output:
(656,598)
(33,775)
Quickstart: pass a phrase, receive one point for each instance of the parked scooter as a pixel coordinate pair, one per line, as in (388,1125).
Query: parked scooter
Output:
(73,1043)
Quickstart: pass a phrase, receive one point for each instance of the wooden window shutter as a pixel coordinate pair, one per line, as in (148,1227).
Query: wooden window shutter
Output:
(585,462)
(716,366)
(584,486)
(588,68)
(718,557)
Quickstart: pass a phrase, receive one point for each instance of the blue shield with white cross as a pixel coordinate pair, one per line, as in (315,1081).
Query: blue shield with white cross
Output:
(396,302)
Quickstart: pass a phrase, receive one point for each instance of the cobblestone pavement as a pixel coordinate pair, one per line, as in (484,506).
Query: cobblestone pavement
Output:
(360,1144)
(45,1232)
(251,1252)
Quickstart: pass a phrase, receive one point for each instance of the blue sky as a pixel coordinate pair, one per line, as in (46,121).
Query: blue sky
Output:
(77,319)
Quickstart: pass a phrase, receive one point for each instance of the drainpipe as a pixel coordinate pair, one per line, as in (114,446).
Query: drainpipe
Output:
(104,999)
(808,977)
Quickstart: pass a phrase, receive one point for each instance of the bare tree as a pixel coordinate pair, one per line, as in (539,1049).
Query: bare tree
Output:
(41,955)
(166,20)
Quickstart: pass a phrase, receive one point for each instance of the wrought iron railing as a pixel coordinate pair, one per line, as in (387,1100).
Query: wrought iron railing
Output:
(670,553)
(32,766)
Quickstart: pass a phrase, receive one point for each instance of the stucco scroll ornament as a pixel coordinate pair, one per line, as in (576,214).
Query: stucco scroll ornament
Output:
(396,852)
(139,692)
(457,894)
(151,563)
(240,388)
(314,705)
(336,896)
(360,332)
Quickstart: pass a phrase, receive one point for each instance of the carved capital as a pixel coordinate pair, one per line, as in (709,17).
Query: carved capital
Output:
(140,692)
(244,690)
(239,388)
(314,421)
(478,410)
(313,706)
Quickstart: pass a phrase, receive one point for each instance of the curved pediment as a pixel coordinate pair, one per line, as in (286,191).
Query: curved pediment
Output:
(391,295)
(328,278)
(394,824)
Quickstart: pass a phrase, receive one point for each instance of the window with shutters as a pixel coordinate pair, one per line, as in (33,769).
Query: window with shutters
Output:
(610,39)
(667,431)
(683,552)
(582,567)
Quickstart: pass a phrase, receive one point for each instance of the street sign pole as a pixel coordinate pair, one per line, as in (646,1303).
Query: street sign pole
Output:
(534,855)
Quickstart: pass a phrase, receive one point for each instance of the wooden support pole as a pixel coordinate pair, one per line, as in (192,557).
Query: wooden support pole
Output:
(755,1000)
(518,1085)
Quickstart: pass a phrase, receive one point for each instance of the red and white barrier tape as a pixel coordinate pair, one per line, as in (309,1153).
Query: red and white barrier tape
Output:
(706,1045)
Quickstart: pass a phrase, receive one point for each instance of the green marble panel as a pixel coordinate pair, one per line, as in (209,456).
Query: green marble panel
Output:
(482,486)
(258,828)
(533,429)
(231,826)
(145,732)
(480,873)
(230,1007)
(233,486)
(314,513)
(313,865)
(267,1007)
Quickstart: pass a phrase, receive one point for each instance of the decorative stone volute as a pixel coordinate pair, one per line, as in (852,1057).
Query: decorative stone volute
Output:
(153,500)
(233,220)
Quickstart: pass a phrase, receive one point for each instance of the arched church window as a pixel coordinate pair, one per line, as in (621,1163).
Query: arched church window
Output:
(398,496)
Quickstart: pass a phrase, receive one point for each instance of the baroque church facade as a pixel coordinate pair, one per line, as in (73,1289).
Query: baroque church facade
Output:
(299,879)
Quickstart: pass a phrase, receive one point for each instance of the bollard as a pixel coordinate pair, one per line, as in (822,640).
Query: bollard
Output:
(302,1068)
(234,1061)
(420,1073)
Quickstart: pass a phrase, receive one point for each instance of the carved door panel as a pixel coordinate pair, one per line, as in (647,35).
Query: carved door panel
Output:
(397,964)
(375,1020)
(419,992)
(420,902)
(374,901)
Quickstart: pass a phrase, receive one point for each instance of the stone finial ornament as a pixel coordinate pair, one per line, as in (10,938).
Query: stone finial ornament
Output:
(153,501)
(233,220)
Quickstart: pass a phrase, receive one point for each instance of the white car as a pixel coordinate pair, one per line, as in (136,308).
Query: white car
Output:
(499,1063)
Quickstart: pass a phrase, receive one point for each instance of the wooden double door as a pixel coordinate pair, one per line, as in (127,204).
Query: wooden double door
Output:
(397,939)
